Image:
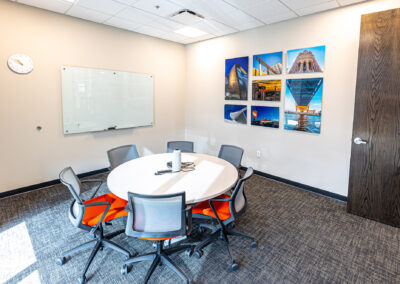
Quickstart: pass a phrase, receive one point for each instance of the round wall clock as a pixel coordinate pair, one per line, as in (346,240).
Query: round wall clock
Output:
(20,63)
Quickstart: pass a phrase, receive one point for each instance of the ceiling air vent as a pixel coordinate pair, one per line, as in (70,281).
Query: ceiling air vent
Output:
(186,17)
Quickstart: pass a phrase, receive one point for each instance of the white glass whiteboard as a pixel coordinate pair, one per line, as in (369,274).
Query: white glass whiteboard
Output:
(97,100)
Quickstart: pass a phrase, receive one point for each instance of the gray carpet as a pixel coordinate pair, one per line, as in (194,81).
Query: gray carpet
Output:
(303,238)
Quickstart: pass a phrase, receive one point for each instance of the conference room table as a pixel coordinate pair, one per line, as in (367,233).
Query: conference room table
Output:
(210,177)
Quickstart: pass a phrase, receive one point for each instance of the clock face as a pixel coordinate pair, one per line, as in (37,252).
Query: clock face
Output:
(20,63)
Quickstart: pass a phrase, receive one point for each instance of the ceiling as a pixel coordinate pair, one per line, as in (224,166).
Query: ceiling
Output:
(221,17)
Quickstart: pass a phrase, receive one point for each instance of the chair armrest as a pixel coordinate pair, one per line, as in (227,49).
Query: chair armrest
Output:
(221,199)
(188,211)
(93,230)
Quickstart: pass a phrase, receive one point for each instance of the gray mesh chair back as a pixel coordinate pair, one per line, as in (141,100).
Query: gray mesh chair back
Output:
(232,154)
(156,216)
(77,210)
(122,154)
(184,146)
(238,196)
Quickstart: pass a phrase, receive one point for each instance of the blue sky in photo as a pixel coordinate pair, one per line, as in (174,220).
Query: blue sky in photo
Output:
(232,108)
(269,58)
(318,51)
(242,61)
(269,113)
(315,104)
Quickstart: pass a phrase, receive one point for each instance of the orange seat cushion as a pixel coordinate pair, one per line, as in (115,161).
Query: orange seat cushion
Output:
(222,208)
(93,213)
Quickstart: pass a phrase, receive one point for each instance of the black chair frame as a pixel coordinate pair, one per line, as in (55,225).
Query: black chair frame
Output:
(223,229)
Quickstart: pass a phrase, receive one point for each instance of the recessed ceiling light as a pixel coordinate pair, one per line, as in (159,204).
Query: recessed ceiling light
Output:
(70,1)
(190,32)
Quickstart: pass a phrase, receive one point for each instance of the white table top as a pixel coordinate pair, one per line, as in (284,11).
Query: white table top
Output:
(212,176)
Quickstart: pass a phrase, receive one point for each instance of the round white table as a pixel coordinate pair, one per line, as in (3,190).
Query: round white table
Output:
(212,176)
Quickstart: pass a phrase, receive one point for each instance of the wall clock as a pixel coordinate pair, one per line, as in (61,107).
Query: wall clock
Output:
(20,63)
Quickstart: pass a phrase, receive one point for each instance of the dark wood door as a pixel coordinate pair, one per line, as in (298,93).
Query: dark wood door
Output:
(374,186)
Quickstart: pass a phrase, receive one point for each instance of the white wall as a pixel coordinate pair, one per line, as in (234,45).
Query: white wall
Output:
(28,156)
(319,160)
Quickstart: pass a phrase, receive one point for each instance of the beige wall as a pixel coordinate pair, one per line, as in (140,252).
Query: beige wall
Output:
(320,160)
(28,156)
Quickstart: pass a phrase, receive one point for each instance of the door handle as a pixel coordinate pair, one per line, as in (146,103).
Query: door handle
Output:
(359,141)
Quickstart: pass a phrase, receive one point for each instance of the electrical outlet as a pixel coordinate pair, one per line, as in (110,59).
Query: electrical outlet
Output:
(258,154)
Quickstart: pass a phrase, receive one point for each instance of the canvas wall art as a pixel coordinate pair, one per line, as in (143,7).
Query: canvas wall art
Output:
(267,64)
(266,90)
(306,60)
(303,104)
(235,114)
(265,116)
(236,78)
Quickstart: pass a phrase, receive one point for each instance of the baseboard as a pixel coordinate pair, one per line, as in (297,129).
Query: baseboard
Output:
(302,186)
(47,183)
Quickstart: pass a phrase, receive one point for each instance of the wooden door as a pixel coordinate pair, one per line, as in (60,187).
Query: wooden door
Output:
(374,186)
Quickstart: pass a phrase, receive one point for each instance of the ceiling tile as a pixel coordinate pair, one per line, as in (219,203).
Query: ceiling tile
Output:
(174,37)
(58,6)
(317,8)
(136,15)
(103,6)
(126,2)
(213,27)
(165,24)
(239,20)
(348,2)
(148,30)
(87,14)
(165,8)
(123,24)
(296,4)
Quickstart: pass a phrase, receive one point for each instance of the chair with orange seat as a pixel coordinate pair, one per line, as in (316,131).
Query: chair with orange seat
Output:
(225,210)
(158,218)
(89,215)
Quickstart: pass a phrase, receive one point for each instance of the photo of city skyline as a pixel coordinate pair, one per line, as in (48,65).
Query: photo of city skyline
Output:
(235,114)
(306,60)
(236,78)
(267,64)
(266,90)
(265,116)
(303,104)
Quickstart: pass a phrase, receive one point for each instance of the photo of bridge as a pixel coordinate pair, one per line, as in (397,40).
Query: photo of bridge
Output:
(303,103)
(267,64)
(235,114)
(236,78)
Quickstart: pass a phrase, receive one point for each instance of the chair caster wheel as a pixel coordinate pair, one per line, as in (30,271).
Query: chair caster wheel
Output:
(61,260)
(125,269)
(101,248)
(81,280)
(198,254)
(235,267)
(189,252)
(254,244)
(231,226)
(127,257)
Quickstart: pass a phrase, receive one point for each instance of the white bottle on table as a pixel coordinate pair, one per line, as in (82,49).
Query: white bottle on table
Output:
(176,160)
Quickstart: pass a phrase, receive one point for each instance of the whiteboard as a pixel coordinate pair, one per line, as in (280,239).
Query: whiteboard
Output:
(98,100)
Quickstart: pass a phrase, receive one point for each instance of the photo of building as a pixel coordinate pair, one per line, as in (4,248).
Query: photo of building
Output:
(235,114)
(267,64)
(236,78)
(265,116)
(266,90)
(306,60)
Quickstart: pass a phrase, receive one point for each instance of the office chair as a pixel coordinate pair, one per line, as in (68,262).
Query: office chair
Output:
(184,146)
(158,218)
(122,154)
(89,215)
(231,154)
(225,209)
